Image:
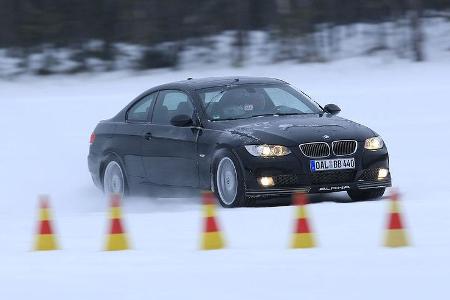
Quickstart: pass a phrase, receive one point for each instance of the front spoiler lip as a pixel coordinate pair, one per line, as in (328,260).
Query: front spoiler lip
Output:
(325,188)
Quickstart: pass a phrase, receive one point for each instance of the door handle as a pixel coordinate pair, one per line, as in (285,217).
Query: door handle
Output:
(148,136)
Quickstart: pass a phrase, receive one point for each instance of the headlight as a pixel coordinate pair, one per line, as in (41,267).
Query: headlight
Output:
(374,143)
(267,150)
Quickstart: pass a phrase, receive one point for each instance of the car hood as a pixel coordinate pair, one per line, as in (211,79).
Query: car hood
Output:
(296,129)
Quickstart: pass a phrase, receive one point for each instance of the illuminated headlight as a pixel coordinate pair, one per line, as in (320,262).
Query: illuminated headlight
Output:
(382,173)
(267,150)
(374,143)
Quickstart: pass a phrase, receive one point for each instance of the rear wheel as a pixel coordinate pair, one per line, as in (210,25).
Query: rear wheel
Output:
(114,179)
(370,194)
(228,181)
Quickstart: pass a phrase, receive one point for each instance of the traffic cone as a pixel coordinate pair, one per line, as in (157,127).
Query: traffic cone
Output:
(45,239)
(117,238)
(395,234)
(303,237)
(211,237)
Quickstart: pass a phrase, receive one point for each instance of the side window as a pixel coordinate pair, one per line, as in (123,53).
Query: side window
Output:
(171,103)
(139,111)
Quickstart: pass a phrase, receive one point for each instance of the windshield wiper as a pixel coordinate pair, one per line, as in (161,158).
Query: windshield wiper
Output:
(259,115)
(263,115)
(291,113)
(278,114)
(228,119)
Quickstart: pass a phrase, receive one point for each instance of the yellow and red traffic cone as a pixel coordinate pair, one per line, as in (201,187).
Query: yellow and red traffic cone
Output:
(45,238)
(303,236)
(211,237)
(117,238)
(395,233)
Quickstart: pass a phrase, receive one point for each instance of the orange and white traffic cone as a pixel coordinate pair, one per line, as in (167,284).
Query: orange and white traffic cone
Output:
(117,238)
(45,238)
(303,237)
(211,237)
(395,233)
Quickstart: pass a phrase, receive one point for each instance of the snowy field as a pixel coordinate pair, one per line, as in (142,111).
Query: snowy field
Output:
(45,127)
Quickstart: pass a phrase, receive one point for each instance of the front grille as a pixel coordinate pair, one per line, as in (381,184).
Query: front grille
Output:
(325,177)
(315,150)
(344,147)
(331,177)
(369,175)
(287,180)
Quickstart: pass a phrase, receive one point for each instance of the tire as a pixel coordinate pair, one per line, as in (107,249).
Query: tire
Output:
(362,195)
(114,179)
(228,180)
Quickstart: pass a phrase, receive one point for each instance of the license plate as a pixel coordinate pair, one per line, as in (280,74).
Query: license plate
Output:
(332,164)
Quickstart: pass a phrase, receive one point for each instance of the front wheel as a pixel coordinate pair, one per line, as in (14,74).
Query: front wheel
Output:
(228,180)
(362,195)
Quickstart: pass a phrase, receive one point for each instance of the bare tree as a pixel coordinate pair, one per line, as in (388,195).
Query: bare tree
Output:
(417,35)
(241,36)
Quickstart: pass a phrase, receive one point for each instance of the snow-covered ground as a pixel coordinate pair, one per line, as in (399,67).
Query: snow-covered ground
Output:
(45,127)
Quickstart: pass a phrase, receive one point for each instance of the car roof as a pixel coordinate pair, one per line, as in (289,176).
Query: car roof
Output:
(201,83)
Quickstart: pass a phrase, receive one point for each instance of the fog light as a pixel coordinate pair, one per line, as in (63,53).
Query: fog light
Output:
(266,181)
(382,173)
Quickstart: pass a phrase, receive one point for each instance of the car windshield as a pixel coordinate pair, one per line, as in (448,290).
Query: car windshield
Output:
(254,100)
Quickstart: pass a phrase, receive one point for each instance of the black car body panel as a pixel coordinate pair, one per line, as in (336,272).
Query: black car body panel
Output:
(161,158)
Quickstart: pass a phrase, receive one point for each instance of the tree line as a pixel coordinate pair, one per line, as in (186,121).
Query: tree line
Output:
(161,27)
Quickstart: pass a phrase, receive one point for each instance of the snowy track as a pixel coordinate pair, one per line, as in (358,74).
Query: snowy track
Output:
(46,125)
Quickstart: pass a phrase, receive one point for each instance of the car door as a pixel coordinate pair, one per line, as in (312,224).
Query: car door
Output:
(170,152)
(129,135)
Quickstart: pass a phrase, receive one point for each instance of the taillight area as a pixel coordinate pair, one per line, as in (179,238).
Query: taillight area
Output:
(92,139)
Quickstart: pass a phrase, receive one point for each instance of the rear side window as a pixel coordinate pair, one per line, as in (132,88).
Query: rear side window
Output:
(139,112)
(171,103)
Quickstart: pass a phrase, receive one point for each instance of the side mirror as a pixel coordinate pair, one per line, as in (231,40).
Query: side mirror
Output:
(182,121)
(332,109)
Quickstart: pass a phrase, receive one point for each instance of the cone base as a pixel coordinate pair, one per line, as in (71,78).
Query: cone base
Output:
(396,238)
(116,242)
(45,242)
(212,241)
(303,240)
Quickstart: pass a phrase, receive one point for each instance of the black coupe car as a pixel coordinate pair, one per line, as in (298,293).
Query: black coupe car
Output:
(244,138)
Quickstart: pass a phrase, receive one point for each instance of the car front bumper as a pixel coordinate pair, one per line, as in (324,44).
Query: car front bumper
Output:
(292,173)
(321,188)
